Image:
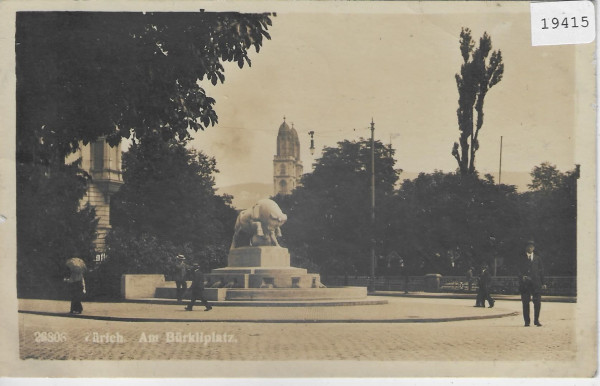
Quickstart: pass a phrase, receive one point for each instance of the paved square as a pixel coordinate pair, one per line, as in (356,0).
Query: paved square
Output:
(496,339)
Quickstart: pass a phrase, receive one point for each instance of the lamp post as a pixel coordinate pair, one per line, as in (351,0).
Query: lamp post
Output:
(495,252)
(372,278)
(312,142)
(500,167)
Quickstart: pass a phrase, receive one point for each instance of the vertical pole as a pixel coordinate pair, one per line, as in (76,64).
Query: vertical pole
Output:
(500,171)
(372,205)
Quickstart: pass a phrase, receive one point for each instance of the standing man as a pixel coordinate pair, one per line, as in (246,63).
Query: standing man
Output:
(470,278)
(531,282)
(198,290)
(179,275)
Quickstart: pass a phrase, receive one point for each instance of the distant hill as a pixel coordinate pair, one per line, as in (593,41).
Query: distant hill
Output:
(246,195)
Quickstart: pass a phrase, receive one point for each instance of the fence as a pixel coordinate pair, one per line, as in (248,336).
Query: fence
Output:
(557,285)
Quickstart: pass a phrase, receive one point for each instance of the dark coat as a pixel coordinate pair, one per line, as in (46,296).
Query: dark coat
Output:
(531,273)
(198,280)
(485,280)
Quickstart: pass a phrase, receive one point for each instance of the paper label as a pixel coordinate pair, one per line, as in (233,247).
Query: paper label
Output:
(562,22)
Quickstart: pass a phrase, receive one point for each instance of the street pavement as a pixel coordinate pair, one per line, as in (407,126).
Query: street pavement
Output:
(405,329)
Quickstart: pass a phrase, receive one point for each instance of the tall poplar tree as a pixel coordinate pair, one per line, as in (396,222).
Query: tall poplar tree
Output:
(478,75)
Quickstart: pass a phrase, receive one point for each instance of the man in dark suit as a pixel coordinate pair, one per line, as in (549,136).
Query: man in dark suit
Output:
(531,282)
(198,290)
(485,281)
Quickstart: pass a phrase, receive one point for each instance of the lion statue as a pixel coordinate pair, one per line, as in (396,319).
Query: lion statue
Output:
(259,225)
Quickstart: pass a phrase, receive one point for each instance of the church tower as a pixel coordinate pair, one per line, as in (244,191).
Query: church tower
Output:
(287,167)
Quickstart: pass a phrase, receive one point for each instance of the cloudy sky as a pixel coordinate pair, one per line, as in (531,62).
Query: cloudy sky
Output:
(333,71)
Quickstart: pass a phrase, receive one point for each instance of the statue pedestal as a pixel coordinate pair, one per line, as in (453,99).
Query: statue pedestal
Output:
(262,267)
(259,274)
(258,257)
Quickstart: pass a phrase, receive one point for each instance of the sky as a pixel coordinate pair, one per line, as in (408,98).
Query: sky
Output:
(332,72)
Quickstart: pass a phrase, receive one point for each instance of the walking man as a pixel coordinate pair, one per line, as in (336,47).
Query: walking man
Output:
(179,275)
(531,282)
(198,290)
(485,281)
(479,300)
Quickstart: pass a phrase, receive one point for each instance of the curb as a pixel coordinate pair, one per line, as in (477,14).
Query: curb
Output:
(176,320)
(273,303)
(512,298)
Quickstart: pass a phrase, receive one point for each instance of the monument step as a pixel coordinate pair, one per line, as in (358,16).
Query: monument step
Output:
(270,303)
(270,294)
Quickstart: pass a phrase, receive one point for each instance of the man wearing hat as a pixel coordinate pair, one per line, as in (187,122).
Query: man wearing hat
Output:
(198,290)
(179,276)
(531,282)
(485,282)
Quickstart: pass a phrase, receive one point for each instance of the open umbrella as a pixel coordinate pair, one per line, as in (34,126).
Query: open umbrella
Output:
(76,265)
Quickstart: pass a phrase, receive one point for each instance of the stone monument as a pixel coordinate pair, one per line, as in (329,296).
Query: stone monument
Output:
(256,260)
(258,268)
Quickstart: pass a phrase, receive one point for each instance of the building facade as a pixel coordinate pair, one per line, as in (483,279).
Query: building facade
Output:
(103,163)
(287,166)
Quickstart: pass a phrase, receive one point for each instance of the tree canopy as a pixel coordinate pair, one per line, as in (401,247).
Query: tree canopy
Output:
(168,192)
(51,226)
(451,222)
(549,216)
(82,75)
(329,215)
(436,223)
(167,206)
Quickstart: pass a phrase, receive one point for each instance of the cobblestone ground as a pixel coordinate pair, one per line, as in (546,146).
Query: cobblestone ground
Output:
(485,340)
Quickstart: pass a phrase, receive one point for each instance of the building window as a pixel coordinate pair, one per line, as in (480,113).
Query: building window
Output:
(97,148)
(283,187)
(282,170)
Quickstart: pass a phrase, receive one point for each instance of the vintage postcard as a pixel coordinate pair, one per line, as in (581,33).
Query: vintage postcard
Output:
(298,189)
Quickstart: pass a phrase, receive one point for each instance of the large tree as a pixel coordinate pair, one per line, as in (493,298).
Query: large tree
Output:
(478,75)
(329,225)
(167,206)
(549,216)
(81,75)
(448,222)
(51,226)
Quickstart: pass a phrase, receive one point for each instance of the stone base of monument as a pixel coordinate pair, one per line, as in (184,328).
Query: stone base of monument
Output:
(262,268)
(269,294)
(265,274)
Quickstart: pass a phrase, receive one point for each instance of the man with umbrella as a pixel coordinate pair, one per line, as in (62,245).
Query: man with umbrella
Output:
(76,283)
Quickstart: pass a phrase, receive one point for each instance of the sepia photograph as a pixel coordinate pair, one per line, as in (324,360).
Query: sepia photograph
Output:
(297,189)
